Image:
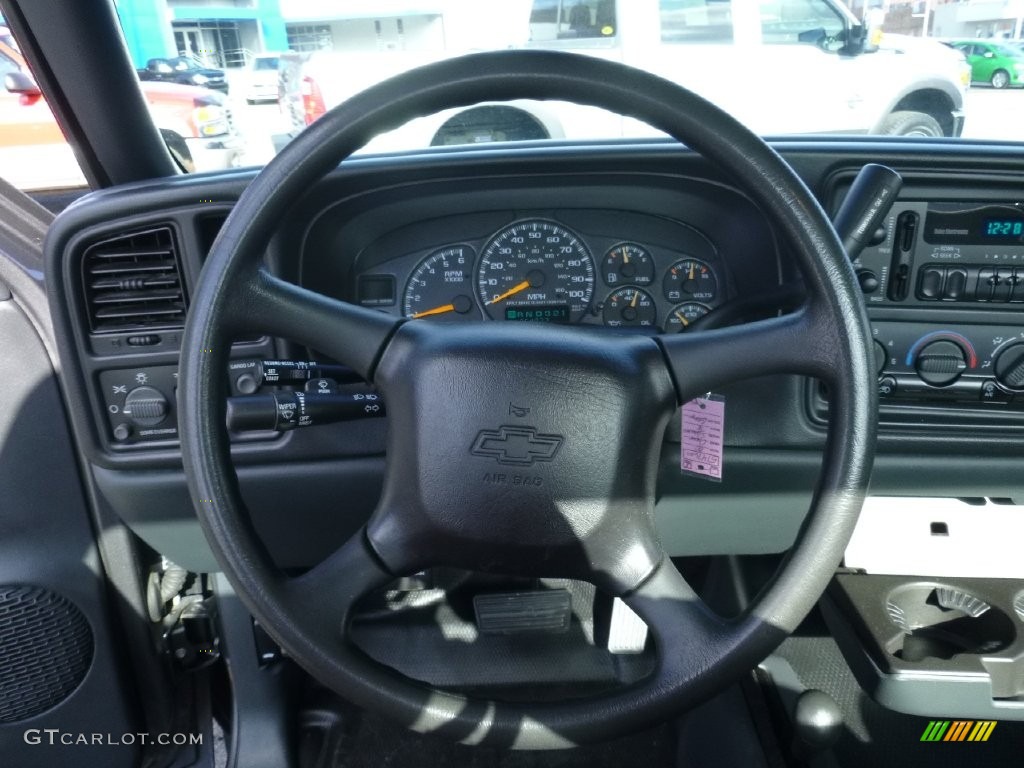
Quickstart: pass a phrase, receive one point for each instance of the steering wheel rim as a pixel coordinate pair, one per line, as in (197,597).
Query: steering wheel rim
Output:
(699,653)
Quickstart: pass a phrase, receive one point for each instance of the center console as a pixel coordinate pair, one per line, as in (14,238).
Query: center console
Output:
(929,609)
(944,286)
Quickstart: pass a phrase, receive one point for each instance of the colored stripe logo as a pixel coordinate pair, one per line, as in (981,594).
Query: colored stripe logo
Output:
(958,730)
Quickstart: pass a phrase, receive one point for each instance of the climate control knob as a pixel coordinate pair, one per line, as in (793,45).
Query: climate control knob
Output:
(146,406)
(940,363)
(1009,367)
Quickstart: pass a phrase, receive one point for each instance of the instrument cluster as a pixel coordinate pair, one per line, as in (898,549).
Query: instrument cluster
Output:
(540,269)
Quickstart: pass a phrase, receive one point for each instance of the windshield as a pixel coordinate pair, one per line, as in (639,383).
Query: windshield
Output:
(782,67)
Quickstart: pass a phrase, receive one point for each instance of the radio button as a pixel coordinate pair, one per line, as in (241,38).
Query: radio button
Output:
(1017,294)
(986,283)
(956,284)
(868,281)
(931,283)
(1003,285)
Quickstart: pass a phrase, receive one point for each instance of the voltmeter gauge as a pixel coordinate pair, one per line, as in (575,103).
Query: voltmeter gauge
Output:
(690,280)
(681,316)
(627,264)
(629,307)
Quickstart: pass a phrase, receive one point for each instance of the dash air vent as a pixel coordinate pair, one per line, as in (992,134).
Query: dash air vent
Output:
(134,281)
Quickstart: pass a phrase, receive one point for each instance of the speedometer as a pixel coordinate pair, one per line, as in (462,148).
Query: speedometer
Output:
(536,270)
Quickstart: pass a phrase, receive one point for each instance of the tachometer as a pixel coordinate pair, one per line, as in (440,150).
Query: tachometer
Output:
(536,265)
(441,286)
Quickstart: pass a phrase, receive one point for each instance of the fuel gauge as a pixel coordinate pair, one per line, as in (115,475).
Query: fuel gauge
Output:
(627,263)
(629,307)
(682,315)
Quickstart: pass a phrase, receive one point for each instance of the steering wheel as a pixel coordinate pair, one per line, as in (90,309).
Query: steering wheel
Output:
(598,406)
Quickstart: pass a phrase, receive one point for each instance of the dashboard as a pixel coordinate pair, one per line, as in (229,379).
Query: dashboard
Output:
(650,274)
(626,238)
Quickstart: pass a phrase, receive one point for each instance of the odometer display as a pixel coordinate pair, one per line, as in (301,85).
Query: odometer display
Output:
(541,313)
(535,263)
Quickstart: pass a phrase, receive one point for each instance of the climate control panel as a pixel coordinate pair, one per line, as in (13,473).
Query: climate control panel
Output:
(982,364)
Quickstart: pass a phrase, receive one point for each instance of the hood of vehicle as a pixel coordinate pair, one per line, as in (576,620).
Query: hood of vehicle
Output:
(171,91)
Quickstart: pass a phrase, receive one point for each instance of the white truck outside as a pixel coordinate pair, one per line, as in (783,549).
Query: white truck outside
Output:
(758,59)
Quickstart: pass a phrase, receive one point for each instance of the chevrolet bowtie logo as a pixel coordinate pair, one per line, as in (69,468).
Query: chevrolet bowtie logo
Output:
(519,446)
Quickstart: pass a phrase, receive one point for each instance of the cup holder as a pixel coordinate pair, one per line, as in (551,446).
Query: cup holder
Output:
(939,622)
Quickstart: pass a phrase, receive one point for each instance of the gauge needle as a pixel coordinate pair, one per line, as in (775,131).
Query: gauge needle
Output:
(636,295)
(434,311)
(692,267)
(625,256)
(510,292)
(682,319)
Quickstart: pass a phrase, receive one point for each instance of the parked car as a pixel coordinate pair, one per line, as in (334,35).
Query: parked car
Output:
(999,65)
(195,123)
(261,78)
(184,70)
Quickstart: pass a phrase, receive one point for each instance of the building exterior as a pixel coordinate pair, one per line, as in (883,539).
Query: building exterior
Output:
(980,18)
(948,18)
(225,33)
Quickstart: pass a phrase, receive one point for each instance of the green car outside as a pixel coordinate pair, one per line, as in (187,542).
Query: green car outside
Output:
(994,63)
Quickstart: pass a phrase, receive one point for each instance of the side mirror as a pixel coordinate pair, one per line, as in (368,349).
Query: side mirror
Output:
(989,55)
(859,39)
(21,84)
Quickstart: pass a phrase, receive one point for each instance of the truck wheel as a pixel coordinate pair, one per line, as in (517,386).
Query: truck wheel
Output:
(1000,78)
(910,123)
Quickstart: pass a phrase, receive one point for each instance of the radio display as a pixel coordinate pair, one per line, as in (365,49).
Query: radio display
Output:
(974,224)
(544,313)
(999,228)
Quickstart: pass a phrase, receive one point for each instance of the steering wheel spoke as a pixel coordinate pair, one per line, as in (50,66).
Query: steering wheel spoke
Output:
(332,587)
(793,343)
(681,622)
(354,335)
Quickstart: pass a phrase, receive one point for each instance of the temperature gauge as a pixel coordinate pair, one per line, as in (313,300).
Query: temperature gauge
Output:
(629,307)
(627,263)
(682,315)
(690,279)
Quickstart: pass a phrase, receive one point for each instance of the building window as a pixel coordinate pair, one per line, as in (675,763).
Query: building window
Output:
(309,37)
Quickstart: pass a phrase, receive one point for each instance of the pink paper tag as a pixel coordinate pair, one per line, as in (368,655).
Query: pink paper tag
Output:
(703,437)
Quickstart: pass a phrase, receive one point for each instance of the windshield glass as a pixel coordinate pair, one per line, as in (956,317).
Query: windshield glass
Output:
(782,67)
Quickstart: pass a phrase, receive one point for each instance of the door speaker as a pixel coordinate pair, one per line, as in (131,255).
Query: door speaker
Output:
(45,650)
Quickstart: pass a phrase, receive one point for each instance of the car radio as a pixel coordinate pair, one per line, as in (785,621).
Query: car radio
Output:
(927,254)
(944,285)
